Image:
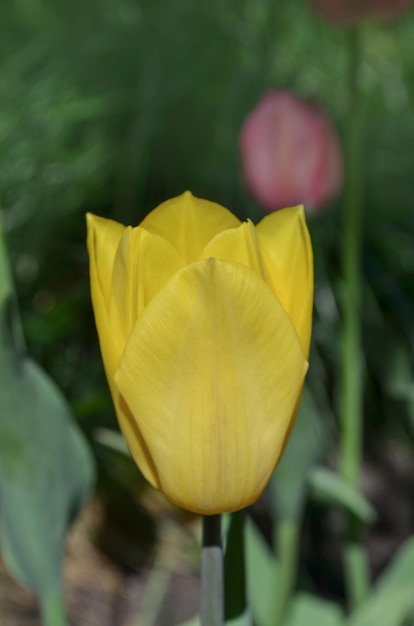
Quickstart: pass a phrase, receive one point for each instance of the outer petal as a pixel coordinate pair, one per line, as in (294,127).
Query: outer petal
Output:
(189,223)
(287,252)
(103,239)
(212,372)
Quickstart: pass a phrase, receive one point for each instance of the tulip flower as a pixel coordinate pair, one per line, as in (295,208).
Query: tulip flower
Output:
(290,153)
(347,12)
(204,324)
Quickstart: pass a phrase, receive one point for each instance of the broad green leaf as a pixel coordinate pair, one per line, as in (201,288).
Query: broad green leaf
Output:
(286,539)
(392,600)
(46,470)
(388,609)
(289,482)
(288,488)
(262,575)
(307,610)
(326,486)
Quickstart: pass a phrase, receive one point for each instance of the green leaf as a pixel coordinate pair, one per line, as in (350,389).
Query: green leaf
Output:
(326,486)
(46,469)
(288,488)
(392,600)
(307,610)
(244,619)
(289,482)
(262,575)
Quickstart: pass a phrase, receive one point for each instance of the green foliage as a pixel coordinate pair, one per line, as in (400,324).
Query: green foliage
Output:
(308,610)
(330,488)
(45,473)
(263,576)
(392,599)
(305,446)
(46,470)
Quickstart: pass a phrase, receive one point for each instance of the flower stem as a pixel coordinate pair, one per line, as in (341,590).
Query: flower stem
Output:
(52,609)
(356,570)
(212,576)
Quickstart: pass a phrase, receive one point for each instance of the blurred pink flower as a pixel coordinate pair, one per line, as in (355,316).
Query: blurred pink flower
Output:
(290,153)
(346,12)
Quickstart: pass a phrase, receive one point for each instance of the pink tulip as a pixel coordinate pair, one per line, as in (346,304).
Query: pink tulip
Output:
(290,153)
(346,12)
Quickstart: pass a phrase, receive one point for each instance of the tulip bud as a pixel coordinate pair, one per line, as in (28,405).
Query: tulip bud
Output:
(290,153)
(347,12)
(204,324)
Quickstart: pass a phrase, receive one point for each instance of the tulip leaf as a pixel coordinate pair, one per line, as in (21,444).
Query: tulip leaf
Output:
(46,470)
(392,600)
(289,481)
(326,486)
(288,490)
(308,610)
(262,575)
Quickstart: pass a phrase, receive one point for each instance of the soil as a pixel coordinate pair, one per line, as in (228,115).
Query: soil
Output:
(101,592)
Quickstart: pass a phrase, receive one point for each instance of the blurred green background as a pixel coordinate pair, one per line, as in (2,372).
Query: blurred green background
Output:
(112,106)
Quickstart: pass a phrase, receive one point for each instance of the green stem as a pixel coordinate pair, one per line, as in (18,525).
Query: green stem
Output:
(356,570)
(212,587)
(52,609)
(286,538)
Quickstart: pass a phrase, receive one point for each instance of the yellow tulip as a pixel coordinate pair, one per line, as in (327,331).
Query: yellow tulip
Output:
(204,324)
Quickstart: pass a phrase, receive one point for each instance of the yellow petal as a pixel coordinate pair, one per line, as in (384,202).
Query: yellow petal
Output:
(103,239)
(143,264)
(211,374)
(239,245)
(135,441)
(189,223)
(287,253)
(127,268)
